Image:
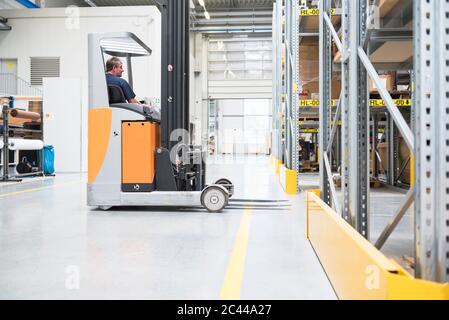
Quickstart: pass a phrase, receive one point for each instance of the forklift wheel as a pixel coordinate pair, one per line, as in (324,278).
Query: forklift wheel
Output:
(215,198)
(223,181)
(227,184)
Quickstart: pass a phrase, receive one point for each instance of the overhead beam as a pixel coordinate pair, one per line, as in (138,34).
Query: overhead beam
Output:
(233,13)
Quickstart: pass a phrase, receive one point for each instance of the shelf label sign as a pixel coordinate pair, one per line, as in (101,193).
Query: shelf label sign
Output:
(314,103)
(313,12)
(397,102)
(373,103)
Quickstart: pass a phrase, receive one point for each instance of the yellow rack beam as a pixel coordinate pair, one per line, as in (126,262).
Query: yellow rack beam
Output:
(356,269)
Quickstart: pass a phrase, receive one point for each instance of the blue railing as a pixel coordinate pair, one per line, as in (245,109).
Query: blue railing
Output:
(28,4)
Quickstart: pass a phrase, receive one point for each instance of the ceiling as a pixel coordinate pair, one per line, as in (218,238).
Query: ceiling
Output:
(101,3)
(97,3)
(224,16)
(220,5)
(211,5)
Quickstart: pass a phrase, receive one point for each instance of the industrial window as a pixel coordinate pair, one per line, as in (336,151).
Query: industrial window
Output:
(44,67)
(240,59)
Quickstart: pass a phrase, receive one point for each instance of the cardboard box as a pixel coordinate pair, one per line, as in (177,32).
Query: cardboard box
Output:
(309,73)
(315,96)
(313,88)
(35,106)
(309,52)
(387,81)
(309,64)
(385,6)
(382,148)
(309,88)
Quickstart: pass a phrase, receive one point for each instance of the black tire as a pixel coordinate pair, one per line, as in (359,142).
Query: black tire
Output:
(227,184)
(223,181)
(214,198)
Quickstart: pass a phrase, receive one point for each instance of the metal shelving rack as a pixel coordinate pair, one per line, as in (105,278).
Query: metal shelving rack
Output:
(431,136)
(277,80)
(429,141)
(18,130)
(285,83)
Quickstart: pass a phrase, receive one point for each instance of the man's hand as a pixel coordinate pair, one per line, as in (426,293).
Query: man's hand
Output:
(134,101)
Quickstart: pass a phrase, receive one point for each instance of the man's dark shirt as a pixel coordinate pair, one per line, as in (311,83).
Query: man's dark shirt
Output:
(126,88)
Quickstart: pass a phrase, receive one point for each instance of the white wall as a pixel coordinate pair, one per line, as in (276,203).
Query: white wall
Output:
(57,32)
(47,32)
(62,125)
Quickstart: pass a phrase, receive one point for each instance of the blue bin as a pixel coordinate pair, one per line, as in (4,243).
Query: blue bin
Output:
(49,159)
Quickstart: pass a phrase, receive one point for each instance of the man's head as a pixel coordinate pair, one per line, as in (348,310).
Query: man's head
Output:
(114,66)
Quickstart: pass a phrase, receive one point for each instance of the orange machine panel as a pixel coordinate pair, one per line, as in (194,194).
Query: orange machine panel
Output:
(138,163)
(100,122)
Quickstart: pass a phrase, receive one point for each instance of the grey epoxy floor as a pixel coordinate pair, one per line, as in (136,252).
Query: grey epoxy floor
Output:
(50,242)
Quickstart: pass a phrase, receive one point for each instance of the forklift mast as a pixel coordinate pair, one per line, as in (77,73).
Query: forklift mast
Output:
(175,15)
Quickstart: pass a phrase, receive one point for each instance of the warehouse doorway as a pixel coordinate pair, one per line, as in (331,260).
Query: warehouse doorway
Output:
(240,126)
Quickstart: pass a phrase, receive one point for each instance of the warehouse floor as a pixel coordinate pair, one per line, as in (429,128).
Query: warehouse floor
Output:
(52,246)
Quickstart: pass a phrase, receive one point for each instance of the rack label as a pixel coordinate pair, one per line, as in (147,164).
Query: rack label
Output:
(314,103)
(313,12)
(397,102)
(373,103)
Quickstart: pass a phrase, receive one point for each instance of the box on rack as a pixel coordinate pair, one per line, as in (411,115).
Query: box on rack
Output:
(35,106)
(387,81)
(311,90)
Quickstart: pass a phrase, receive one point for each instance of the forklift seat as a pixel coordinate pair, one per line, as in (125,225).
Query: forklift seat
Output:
(116,94)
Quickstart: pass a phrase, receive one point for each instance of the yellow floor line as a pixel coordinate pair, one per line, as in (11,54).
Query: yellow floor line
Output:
(5,195)
(6,184)
(234,274)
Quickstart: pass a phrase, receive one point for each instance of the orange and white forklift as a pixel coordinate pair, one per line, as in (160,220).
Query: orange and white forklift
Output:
(131,159)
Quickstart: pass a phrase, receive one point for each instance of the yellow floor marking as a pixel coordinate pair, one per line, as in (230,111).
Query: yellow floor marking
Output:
(6,184)
(234,274)
(5,195)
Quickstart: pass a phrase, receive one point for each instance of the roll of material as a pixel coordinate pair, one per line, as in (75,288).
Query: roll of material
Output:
(1,143)
(25,115)
(23,144)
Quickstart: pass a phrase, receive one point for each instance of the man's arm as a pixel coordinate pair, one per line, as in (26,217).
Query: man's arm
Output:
(128,92)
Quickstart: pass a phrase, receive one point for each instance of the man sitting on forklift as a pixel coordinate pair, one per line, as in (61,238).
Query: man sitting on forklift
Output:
(114,71)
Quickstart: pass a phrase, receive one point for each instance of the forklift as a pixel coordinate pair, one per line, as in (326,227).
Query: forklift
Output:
(131,159)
